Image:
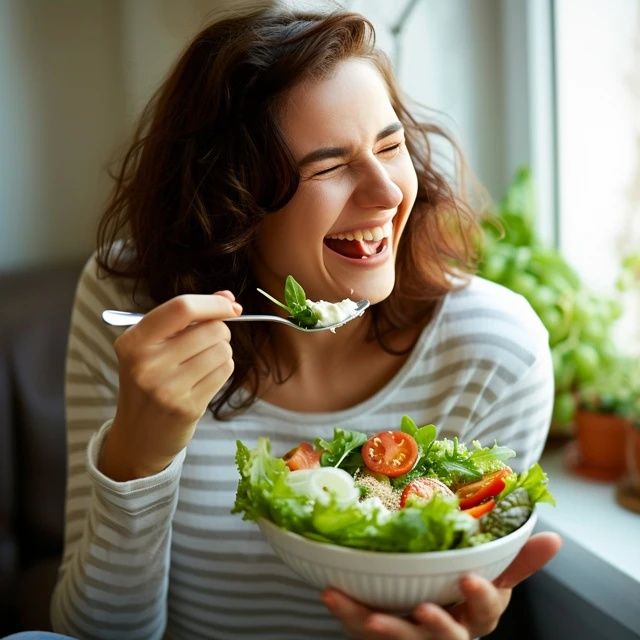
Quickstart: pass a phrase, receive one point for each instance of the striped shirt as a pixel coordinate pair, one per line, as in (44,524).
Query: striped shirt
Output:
(163,556)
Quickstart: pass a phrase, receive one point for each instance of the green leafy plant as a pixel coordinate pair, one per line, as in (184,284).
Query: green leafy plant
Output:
(615,390)
(295,304)
(579,322)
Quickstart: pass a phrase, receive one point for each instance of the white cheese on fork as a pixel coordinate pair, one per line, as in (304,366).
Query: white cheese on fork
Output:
(332,312)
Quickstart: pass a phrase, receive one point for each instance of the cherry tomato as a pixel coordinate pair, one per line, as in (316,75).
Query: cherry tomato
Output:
(481,509)
(304,456)
(474,493)
(391,453)
(424,488)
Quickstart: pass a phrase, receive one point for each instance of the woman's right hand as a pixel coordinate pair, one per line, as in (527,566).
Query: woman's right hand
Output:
(171,364)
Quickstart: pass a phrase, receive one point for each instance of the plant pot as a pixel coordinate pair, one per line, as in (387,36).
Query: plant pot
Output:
(598,451)
(632,453)
(628,491)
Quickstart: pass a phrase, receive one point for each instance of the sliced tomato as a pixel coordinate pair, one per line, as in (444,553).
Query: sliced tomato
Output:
(481,509)
(475,492)
(391,453)
(424,488)
(304,456)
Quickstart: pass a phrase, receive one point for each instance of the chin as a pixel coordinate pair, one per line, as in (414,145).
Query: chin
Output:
(376,290)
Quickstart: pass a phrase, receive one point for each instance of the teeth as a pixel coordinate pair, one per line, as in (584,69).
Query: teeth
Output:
(375,233)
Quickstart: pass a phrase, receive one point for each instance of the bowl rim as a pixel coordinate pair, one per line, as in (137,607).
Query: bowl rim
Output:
(525,528)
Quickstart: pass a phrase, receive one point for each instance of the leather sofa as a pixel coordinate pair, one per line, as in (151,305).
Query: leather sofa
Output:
(35,307)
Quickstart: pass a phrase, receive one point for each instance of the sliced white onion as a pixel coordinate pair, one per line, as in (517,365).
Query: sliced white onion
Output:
(328,481)
(323,482)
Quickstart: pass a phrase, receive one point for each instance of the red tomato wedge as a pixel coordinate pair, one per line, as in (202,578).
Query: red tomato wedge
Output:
(391,453)
(481,509)
(304,456)
(476,492)
(424,488)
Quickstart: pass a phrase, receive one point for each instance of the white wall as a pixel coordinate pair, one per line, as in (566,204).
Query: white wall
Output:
(61,114)
(75,74)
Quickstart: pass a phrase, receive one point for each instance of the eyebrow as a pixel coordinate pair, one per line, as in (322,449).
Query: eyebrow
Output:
(338,152)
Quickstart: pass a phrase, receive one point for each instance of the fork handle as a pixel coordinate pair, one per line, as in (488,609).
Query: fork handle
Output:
(129,318)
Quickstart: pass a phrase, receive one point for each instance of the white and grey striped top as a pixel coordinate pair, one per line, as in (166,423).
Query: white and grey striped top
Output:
(164,556)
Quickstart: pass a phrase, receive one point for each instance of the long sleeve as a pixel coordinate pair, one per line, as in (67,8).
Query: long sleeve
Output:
(519,414)
(114,575)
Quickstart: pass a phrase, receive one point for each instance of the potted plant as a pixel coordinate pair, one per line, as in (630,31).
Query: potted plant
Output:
(604,421)
(629,489)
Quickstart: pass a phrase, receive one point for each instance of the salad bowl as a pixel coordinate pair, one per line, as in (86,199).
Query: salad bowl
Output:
(394,581)
(394,518)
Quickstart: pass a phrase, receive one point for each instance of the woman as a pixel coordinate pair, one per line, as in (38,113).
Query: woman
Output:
(278,145)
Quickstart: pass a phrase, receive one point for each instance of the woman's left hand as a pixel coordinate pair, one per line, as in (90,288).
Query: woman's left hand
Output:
(479,613)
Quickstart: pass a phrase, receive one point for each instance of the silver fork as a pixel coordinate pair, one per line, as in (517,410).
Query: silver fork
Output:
(129,318)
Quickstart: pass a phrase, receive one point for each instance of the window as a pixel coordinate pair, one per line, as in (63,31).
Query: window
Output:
(597,69)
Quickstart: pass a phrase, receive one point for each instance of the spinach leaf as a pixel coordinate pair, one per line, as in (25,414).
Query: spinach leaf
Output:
(294,294)
(295,304)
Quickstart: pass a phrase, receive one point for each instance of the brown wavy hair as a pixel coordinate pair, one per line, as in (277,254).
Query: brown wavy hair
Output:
(208,162)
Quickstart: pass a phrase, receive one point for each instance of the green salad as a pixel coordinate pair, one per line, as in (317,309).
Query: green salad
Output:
(395,491)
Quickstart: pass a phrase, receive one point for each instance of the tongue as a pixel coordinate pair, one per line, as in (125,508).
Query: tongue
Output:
(354,248)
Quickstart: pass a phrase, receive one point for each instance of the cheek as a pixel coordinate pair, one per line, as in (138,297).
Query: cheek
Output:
(409,181)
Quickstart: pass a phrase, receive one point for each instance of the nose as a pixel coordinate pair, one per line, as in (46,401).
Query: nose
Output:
(376,189)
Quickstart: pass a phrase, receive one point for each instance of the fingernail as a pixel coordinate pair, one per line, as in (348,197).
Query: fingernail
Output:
(226,294)
(329,600)
(237,308)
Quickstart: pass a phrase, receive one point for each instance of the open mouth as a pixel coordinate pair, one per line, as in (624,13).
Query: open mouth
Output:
(360,244)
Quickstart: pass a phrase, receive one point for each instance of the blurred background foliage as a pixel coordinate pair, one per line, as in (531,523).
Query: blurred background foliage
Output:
(590,369)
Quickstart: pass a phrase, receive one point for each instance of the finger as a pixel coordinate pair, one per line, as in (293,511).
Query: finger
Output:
(483,605)
(225,293)
(348,611)
(193,340)
(438,623)
(208,387)
(538,550)
(194,370)
(178,313)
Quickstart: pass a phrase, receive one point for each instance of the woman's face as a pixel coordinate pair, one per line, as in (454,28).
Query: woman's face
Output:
(338,236)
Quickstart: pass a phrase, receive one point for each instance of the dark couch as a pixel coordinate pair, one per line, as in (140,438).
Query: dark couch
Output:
(35,307)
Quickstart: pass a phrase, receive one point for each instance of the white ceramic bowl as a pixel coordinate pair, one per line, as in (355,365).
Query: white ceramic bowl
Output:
(394,581)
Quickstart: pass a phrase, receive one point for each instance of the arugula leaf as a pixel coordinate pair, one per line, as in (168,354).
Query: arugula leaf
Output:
(336,450)
(296,304)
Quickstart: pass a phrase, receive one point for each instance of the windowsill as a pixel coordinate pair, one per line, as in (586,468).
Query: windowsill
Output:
(600,558)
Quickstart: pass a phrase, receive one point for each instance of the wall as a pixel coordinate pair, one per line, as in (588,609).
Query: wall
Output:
(61,115)
(75,74)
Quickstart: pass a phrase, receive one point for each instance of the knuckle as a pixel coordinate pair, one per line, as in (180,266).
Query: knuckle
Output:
(229,367)
(123,347)
(225,332)
(183,305)
(170,399)
(227,351)
(141,377)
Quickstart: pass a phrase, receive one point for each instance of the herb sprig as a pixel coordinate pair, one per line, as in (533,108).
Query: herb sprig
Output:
(295,304)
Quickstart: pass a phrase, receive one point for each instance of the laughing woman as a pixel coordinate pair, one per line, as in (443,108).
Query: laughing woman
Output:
(279,144)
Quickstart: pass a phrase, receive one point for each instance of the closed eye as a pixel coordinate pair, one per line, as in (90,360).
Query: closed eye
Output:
(329,170)
(390,150)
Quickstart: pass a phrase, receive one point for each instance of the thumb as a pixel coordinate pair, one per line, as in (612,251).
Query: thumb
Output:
(538,550)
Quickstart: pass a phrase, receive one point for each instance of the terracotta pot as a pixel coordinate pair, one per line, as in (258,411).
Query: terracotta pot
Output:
(633,455)
(601,444)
